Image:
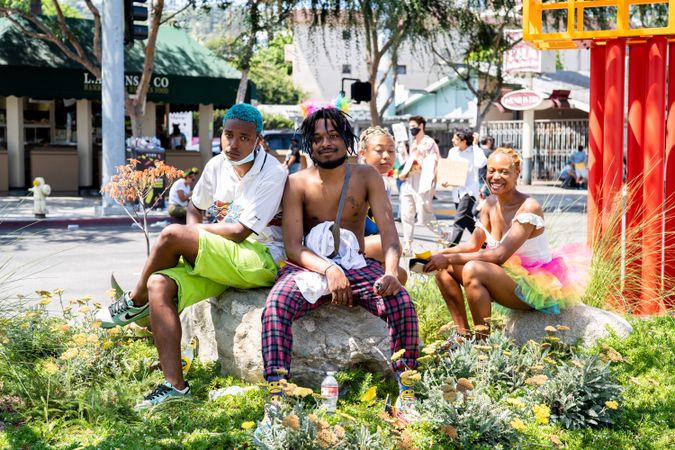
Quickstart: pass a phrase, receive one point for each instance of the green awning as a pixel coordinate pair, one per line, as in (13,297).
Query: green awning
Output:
(185,71)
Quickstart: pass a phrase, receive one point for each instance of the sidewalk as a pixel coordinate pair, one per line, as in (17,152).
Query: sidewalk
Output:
(17,212)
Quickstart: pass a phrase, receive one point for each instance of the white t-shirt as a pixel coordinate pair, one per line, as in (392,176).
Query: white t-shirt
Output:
(253,200)
(476,159)
(179,185)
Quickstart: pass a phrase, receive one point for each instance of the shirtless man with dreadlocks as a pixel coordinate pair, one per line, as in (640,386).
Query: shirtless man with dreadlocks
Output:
(311,202)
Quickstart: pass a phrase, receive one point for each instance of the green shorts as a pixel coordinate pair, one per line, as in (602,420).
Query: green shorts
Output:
(220,264)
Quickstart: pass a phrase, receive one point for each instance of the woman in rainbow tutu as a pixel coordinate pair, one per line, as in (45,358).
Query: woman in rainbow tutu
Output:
(517,269)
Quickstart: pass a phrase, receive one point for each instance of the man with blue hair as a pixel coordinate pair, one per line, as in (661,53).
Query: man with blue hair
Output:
(242,189)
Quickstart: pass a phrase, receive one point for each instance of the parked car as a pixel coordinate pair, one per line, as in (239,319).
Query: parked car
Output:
(279,139)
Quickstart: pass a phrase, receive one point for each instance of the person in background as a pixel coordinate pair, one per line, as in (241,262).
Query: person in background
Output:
(180,193)
(177,140)
(419,174)
(293,160)
(465,196)
(580,161)
(568,176)
(487,144)
(160,134)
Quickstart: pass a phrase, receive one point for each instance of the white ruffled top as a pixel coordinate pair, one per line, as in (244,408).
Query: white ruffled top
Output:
(535,248)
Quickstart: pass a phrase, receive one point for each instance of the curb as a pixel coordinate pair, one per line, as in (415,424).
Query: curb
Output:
(32,224)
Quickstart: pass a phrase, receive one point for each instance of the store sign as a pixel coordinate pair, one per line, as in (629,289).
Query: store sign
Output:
(521,57)
(522,100)
(158,84)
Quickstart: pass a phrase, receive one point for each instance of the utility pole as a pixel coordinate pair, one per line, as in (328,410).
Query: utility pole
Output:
(112,94)
(528,137)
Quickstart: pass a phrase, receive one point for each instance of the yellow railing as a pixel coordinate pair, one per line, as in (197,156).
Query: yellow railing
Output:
(576,34)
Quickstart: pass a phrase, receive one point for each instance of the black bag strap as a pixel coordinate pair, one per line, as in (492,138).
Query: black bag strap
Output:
(335,228)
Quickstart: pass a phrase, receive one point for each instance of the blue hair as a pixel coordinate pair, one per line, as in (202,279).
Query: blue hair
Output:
(247,113)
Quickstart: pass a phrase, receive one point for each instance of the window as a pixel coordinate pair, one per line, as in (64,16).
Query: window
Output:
(346,35)
(346,69)
(401,69)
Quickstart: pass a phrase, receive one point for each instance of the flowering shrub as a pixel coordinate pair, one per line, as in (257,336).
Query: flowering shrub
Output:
(133,190)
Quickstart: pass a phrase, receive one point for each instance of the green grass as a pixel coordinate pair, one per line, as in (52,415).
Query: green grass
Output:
(89,403)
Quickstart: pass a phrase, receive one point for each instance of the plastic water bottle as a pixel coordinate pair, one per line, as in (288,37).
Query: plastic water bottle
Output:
(329,392)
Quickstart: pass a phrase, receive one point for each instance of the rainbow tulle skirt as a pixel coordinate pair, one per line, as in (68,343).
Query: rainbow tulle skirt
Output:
(554,285)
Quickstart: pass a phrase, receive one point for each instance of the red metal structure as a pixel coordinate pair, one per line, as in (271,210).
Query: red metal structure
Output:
(647,106)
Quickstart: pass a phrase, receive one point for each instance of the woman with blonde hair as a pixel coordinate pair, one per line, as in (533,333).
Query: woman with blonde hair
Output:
(518,270)
(377,149)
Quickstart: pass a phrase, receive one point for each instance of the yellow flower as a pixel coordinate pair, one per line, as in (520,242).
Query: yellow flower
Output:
(281,371)
(541,413)
(612,404)
(536,380)
(482,358)
(43,293)
(518,403)
(562,328)
(85,354)
(107,344)
(69,354)
(85,309)
(425,359)
(115,331)
(537,368)
(32,314)
(45,301)
(550,329)
(248,425)
(486,348)
(98,305)
(67,310)
(86,298)
(92,338)
(397,355)
(339,432)
(517,424)
(370,394)
(302,391)
(507,353)
(79,339)
(24,326)
(110,293)
(410,377)
(578,363)
(429,349)
(51,368)
(96,324)
(59,291)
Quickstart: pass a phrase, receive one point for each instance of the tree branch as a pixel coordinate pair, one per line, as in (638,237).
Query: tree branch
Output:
(97,29)
(149,61)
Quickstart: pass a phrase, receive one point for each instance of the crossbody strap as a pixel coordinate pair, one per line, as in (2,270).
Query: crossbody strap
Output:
(335,228)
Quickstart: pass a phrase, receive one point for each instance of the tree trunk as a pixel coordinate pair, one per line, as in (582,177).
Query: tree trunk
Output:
(243,84)
(135,111)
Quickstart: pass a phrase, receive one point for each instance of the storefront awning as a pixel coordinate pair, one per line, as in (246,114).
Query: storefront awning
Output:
(185,72)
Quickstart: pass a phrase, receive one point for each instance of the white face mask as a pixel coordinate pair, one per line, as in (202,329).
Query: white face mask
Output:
(247,159)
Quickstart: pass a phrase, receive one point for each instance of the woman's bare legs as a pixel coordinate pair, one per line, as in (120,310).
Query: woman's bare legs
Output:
(484,282)
(449,283)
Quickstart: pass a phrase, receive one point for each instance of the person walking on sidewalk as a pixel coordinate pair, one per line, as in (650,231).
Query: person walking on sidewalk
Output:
(419,174)
(465,196)
(196,261)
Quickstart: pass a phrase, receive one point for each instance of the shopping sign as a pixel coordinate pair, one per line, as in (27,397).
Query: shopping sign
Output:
(521,57)
(521,100)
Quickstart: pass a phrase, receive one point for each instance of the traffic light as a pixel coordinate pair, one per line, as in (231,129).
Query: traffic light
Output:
(133,13)
(361,91)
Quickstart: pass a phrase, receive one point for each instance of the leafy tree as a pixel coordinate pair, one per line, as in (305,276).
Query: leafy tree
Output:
(272,75)
(468,36)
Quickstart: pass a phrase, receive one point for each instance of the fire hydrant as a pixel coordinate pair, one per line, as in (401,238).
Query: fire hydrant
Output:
(40,192)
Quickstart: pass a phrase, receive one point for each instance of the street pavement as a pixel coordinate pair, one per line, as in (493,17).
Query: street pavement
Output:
(76,250)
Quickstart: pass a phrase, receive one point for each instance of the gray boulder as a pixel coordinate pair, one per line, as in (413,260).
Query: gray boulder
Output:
(585,322)
(329,338)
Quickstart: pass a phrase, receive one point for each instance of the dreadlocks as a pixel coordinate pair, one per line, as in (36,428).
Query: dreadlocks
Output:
(340,121)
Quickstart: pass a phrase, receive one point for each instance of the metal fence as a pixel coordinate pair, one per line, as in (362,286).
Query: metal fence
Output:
(554,142)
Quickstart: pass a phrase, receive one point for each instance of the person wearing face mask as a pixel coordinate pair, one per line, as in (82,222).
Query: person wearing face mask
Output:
(518,269)
(419,176)
(192,262)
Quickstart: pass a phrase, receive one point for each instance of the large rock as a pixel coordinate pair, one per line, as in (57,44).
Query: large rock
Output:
(585,322)
(329,338)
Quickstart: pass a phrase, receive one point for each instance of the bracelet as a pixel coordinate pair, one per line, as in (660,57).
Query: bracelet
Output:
(326,270)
